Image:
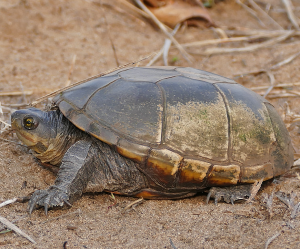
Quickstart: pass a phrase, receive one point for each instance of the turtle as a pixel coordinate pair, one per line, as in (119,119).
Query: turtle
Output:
(156,133)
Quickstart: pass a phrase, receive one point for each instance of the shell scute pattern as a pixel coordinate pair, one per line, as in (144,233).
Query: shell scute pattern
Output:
(186,127)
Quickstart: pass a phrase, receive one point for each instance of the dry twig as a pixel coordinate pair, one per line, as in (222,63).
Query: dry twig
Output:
(219,41)
(15,105)
(220,32)
(7,126)
(283,85)
(268,202)
(271,75)
(8,202)
(165,31)
(16,229)
(246,37)
(267,33)
(167,45)
(264,14)
(284,62)
(139,201)
(17,199)
(162,50)
(272,83)
(16,93)
(289,201)
(290,13)
(251,12)
(269,241)
(255,188)
(282,95)
(156,57)
(293,92)
(211,51)
(134,9)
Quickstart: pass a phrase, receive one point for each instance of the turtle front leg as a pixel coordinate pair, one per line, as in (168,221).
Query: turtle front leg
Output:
(229,194)
(71,180)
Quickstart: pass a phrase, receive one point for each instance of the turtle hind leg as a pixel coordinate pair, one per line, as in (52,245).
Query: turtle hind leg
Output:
(229,194)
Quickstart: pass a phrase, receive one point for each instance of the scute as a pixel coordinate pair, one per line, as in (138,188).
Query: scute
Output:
(144,74)
(197,74)
(133,109)
(193,107)
(86,90)
(251,128)
(187,128)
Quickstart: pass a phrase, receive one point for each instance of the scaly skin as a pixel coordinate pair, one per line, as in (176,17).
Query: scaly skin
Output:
(89,161)
(85,163)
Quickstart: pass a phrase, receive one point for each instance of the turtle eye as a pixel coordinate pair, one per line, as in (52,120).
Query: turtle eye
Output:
(30,123)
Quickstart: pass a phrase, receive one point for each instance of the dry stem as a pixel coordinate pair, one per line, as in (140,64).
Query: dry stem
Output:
(167,45)
(286,61)
(211,51)
(16,93)
(268,200)
(272,83)
(16,229)
(264,14)
(165,31)
(251,12)
(271,75)
(269,241)
(8,202)
(255,88)
(255,188)
(139,201)
(289,9)
(134,9)
(289,201)
(249,32)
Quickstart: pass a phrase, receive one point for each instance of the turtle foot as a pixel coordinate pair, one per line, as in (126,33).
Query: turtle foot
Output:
(48,198)
(229,194)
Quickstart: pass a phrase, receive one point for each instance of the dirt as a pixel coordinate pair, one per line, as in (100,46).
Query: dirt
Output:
(38,41)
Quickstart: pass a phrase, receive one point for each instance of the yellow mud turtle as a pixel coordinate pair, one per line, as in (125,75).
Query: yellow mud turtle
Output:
(155,132)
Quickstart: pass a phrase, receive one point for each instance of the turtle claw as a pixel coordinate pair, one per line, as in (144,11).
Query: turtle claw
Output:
(46,209)
(31,208)
(229,194)
(48,199)
(68,203)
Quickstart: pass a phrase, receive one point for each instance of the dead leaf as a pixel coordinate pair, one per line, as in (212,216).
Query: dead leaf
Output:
(172,12)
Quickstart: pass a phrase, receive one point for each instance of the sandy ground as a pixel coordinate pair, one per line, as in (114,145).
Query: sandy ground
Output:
(38,41)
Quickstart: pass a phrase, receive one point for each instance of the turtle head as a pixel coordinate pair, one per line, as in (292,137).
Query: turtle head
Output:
(35,128)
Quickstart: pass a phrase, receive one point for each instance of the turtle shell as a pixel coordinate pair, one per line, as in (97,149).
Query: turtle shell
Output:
(187,128)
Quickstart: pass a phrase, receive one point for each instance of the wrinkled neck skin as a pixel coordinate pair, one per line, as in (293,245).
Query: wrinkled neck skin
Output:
(65,135)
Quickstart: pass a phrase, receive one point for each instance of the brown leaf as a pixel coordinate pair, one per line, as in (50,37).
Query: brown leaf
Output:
(173,12)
